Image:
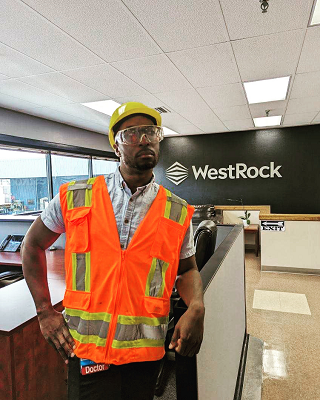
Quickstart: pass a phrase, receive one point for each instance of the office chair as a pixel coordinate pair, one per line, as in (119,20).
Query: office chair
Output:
(204,240)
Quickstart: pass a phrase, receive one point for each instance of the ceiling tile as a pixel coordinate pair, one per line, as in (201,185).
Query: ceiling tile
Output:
(208,65)
(14,103)
(223,95)
(15,64)
(303,105)
(310,56)
(305,85)
(299,119)
(317,119)
(31,34)
(182,24)
(246,19)
(173,120)
(239,125)
(276,108)
(3,77)
(268,56)
(213,127)
(53,115)
(233,113)
(83,112)
(29,93)
(147,99)
(107,80)
(107,27)
(155,73)
(64,86)
(185,129)
(191,106)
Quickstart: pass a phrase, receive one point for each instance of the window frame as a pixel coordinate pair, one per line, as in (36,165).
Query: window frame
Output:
(15,143)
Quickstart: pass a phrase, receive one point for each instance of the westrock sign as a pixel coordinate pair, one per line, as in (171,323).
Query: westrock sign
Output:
(177,173)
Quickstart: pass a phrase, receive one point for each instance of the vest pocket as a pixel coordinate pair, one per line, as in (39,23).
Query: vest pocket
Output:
(78,229)
(157,306)
(168,240)
(76,299)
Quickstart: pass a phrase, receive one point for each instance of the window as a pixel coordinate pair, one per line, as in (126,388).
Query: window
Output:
(68,168)
(23,181)
(103,167)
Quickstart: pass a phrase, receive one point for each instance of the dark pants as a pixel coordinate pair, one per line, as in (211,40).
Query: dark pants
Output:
(135,381)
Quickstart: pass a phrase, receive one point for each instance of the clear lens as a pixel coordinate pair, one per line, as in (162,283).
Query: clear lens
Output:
(135,134)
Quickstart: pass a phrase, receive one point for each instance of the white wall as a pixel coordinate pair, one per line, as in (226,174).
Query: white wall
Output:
(297,247)
(27,126)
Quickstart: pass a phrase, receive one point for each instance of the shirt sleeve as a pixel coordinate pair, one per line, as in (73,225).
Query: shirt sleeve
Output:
(52,216)
(187,248)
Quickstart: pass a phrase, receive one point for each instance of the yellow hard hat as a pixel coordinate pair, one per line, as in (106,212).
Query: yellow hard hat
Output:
(127,109)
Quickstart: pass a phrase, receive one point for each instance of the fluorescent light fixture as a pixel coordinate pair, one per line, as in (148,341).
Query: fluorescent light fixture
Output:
(104,106)
(267,121)
(267,90)
(169,132)
(316,14)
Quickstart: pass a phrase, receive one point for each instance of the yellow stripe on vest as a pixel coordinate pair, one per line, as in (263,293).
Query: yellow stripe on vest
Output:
(81,271)
(156,278)
(140,332)
(176,208)
(88,327)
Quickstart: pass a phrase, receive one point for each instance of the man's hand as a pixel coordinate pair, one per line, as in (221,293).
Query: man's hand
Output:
(188,333)
(56,332)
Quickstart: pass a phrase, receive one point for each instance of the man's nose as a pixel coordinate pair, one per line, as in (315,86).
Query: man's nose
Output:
(144,140)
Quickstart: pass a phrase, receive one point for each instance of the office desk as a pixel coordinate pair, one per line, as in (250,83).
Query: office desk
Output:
(29,367)
(253,229)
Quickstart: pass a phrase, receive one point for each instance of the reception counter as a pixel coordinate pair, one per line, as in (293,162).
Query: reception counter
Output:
(294,250)
(29,367)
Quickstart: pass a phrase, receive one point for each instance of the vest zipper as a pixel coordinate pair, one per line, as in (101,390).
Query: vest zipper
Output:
(113,323)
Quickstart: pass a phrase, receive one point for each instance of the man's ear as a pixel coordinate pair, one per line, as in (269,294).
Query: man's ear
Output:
(116,150)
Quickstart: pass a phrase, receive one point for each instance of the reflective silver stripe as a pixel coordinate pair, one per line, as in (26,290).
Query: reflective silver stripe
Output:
(79,192)
(80,271)
(140,331)
(177,205)
(156,283)
(87,327)
(79,186)
(79,198)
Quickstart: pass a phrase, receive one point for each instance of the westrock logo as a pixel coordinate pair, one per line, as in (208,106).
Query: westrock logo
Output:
(177,173)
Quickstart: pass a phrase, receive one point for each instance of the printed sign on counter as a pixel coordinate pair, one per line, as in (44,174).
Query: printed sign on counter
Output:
(273,226)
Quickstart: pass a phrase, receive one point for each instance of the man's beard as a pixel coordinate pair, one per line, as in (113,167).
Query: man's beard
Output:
(142,164)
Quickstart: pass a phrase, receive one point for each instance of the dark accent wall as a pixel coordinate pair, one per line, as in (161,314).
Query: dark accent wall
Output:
(296,149)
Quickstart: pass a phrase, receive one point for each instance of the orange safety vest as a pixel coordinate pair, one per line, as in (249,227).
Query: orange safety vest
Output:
(117,301)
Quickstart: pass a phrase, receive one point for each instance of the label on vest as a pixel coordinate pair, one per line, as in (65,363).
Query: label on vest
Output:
(90,367)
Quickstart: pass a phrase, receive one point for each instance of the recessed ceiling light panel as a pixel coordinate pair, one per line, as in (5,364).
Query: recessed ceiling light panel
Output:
(105,106)
(267,90)
(267,121)
(315,19)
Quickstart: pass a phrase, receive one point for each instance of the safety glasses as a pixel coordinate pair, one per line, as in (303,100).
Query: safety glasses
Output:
(135,134)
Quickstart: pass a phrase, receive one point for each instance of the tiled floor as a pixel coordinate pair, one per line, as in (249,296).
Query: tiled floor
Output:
(281,301)
(290,330)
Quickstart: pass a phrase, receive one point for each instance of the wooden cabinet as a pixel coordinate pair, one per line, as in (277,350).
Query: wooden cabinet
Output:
(30,369)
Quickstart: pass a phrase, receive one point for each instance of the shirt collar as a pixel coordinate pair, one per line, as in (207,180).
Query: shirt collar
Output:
(122,183)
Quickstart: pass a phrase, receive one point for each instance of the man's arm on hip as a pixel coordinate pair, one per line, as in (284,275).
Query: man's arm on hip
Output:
(52,324)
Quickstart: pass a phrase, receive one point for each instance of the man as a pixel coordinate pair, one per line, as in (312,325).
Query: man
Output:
(127,239)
